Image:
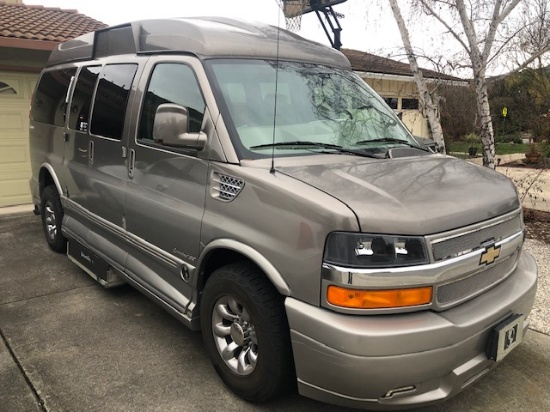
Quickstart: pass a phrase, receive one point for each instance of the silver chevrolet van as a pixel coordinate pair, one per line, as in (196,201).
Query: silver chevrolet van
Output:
(249,182)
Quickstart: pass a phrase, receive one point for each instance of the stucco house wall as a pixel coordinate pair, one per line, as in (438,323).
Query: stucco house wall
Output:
(403,96)
(393,81)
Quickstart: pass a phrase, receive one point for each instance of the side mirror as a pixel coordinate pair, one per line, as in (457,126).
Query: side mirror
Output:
(171,128)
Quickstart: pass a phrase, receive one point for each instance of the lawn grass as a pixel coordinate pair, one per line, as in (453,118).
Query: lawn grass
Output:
(501,148)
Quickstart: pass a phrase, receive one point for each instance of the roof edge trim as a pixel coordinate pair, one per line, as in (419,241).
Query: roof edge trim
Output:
(403,78)
(15,43)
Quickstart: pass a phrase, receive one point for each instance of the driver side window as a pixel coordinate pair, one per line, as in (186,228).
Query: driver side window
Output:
(171,83)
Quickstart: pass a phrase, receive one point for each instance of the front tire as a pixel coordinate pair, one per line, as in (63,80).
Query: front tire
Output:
(52,216)
(246,333)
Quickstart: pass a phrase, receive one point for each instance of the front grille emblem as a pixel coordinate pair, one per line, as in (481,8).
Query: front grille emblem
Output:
(490,254)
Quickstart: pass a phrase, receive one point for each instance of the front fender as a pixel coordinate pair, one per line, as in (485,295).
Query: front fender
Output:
(265,265)
(52,173)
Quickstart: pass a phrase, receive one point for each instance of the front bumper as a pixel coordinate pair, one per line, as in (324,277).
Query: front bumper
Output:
(357,361)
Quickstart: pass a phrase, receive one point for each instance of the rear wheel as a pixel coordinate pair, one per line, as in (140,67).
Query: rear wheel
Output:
(52,215)
(246,332)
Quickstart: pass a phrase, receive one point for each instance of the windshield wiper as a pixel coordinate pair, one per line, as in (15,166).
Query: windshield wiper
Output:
(304,144)
(391,140)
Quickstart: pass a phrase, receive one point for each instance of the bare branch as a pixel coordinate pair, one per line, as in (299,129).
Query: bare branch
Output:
(444,23)
(470,32)
(497,19)
(530,60)
(505,43)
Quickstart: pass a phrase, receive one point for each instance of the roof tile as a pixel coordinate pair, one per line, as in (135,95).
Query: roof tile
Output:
(44,23)
(371,63)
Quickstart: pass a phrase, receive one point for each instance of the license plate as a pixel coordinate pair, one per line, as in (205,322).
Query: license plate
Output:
(505,337)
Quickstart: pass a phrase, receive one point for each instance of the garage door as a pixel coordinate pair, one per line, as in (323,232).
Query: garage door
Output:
(15,170)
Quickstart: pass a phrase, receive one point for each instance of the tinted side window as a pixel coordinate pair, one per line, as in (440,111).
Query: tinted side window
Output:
(49,105)
(171,83)
(79,115)
(111,99)
(115,41)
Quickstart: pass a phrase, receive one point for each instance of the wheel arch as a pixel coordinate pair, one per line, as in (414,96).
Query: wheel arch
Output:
(222,252)
(48,177)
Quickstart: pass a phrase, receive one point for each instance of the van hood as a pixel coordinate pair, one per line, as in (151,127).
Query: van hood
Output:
(414,195)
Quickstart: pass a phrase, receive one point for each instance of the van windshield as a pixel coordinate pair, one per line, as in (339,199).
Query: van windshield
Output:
(295,108)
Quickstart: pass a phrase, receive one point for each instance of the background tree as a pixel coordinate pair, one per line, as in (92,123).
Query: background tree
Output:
(429,101)
(533,39)
(525,91)
(458,111)
(476,31)
(526,95)
(484,30)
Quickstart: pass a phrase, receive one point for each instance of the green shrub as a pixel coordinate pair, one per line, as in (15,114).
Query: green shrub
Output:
(508,138)
(472,139)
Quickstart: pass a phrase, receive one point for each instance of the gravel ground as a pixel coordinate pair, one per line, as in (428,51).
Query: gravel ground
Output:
(537,224)
(540,315)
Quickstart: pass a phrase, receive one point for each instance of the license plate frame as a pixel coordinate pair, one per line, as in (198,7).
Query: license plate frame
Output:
(505,337)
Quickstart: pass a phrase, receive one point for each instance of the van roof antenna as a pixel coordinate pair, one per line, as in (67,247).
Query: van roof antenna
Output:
(295,9)
(272,169)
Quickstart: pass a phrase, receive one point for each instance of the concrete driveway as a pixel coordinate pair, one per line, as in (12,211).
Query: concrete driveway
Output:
(67,344)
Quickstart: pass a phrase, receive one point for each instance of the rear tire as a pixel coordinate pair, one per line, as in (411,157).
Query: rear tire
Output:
(52,216)
(246,333)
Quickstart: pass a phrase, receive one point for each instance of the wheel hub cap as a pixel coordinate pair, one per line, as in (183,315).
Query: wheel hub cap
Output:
(237,334)
(51,222)
(234,335)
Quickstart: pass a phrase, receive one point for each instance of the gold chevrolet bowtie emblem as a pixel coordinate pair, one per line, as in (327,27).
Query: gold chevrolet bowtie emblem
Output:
(490,255)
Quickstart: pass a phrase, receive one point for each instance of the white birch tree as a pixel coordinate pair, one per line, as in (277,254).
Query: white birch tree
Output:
(481,28)
(429,106)
(479,25)
(479,51)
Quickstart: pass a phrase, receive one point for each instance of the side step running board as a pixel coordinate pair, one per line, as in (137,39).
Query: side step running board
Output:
(94,266)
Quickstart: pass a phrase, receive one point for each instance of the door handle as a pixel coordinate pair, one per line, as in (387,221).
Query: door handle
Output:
(91,153)
(132,163)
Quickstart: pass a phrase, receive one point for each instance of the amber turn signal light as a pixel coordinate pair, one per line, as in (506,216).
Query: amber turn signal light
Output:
(378,299)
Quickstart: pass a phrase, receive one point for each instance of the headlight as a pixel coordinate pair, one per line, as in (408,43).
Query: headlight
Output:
(363,250)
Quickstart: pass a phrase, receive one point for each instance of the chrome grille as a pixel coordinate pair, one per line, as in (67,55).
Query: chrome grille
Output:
(453,293)
(466,242)
(225,187)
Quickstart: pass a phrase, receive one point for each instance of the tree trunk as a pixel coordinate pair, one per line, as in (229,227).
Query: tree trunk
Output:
(431,110)
(484,111)
(479,63)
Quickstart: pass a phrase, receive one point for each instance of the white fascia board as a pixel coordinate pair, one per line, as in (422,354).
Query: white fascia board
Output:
(408,79)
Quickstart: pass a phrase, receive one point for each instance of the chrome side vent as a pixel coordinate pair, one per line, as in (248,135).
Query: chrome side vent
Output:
(225,187)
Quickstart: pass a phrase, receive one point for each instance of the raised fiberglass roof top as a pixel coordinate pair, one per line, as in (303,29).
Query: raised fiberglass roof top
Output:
(204,37)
